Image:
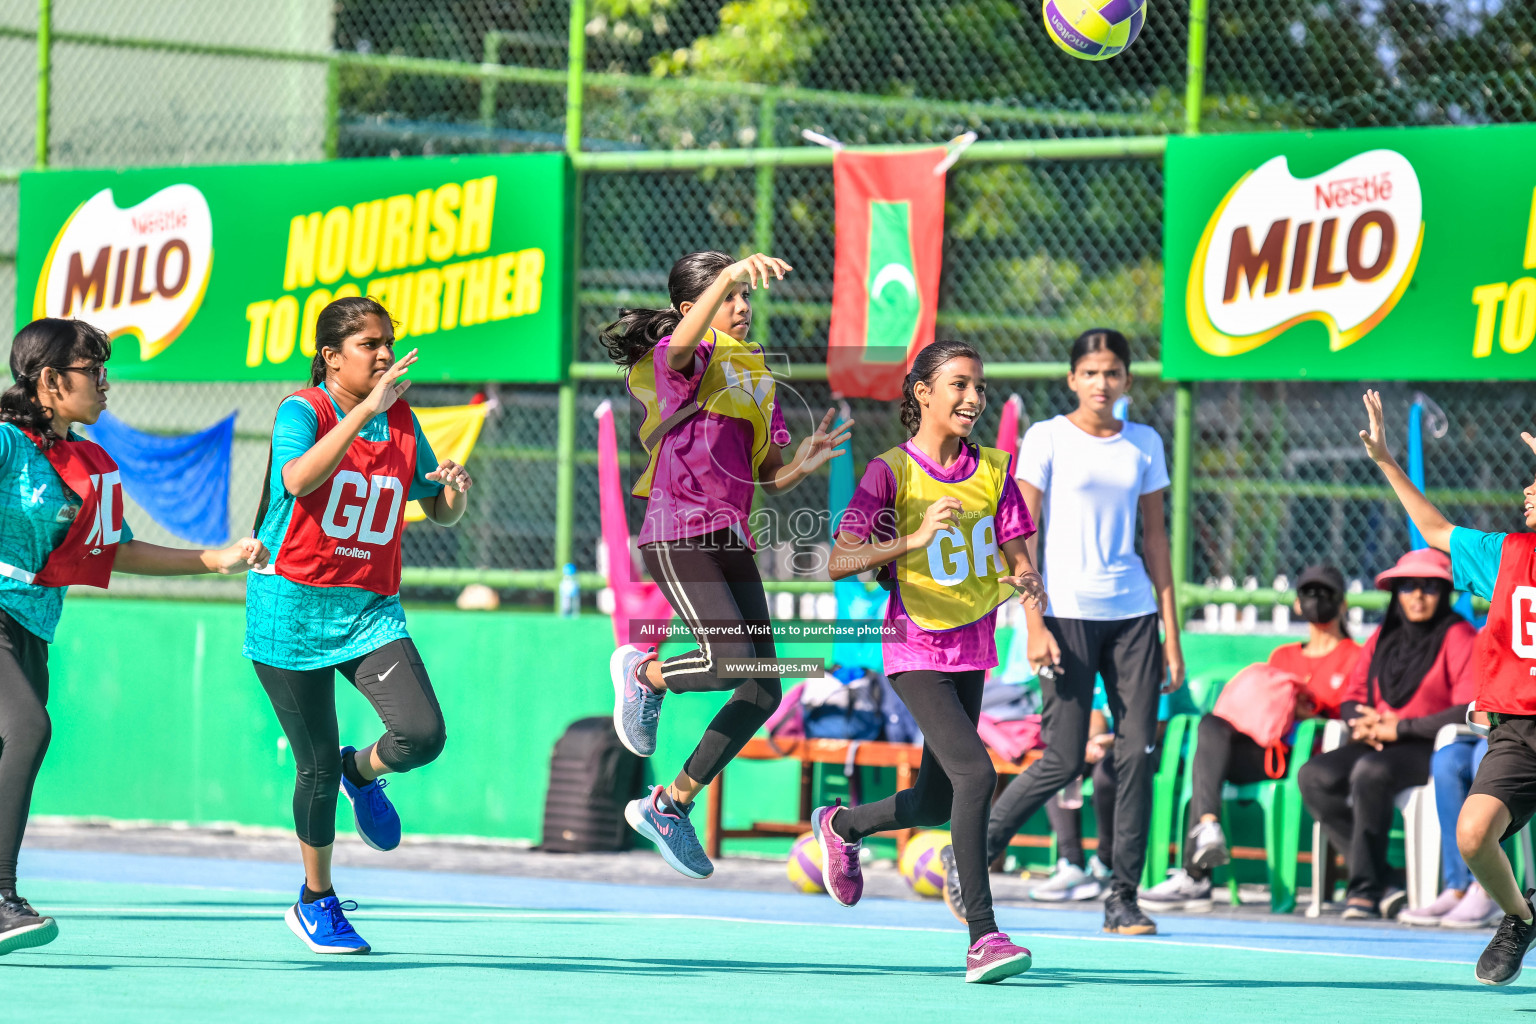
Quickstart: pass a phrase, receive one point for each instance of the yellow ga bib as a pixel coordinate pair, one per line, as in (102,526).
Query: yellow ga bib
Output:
(954,581)
(736,382)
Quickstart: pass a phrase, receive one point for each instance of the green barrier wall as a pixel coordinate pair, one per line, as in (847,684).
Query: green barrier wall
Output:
(158,717)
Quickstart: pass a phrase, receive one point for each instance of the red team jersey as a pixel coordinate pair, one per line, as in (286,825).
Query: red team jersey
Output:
(1506,647)
(86,554)
(346,532)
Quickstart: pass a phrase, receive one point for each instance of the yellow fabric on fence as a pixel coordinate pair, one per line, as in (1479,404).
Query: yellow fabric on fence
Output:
(452,431)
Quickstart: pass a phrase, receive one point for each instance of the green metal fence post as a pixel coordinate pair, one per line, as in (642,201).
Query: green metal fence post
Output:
(44,77)
(1194,86)
(565,442)
(332,108)
(1183,512)
(762,226)
(490,54)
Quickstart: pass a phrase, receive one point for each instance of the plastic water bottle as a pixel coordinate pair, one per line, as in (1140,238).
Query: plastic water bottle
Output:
(570,592)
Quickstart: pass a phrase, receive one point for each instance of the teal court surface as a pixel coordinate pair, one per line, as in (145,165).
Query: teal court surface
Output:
(173,939)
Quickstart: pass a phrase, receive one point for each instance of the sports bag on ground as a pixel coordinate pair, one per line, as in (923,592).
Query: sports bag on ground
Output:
(591,777)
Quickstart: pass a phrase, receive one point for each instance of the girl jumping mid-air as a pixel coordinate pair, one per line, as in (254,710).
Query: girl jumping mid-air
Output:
(713,433)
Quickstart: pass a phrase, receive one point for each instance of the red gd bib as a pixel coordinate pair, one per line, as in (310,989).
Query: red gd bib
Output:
(346,532)
(86,554)
(1506,646)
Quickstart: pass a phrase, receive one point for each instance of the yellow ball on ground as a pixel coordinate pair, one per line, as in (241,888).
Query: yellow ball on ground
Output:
(921,865)
(804,866)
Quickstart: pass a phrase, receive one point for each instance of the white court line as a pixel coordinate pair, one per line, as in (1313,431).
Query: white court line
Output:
(557,915)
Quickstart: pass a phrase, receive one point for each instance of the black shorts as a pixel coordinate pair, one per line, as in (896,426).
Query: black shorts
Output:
(1508,771)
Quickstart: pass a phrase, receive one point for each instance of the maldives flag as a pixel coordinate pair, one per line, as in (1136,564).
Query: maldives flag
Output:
(885,285)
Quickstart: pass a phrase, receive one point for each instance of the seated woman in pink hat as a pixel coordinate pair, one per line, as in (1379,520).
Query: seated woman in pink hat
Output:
(1414,675)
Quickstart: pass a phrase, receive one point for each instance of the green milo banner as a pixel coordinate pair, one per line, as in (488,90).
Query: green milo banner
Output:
(218,273)
(1373,254)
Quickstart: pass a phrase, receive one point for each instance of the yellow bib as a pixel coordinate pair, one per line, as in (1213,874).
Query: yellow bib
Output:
(954,581)
(735,382)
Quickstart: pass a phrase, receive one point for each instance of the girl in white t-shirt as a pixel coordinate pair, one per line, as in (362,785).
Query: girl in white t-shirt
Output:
(1084,477)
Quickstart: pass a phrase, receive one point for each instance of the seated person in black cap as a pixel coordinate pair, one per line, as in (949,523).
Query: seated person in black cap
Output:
(1224,754)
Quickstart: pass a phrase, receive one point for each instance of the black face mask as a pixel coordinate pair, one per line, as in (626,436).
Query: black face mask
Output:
(1319,606)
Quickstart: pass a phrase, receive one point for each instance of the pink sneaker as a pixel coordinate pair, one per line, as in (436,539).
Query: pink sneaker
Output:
(994,957)
(840,868)
(1429,917)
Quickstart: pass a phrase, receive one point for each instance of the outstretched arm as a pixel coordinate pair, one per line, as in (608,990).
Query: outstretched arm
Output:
(143,559)
(1434,526)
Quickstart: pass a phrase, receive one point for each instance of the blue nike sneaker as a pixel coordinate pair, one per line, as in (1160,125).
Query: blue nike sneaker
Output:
(323,926)
(665,822)
(636,707)
(377,820)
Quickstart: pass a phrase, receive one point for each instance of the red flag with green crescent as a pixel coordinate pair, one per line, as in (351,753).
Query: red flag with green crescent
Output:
(885,285)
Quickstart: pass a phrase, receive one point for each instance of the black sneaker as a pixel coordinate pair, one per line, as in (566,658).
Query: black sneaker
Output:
(21,927)
(1501,961)
(952,883)
(1122,915)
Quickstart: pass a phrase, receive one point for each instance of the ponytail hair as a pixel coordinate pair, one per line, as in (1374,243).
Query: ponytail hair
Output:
(339,321)
(49,342)
(924,368)
(1100,339)
(632,336)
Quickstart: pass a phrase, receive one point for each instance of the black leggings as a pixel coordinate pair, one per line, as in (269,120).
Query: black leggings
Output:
(1350,792)
(25,730)
(713,583)
(395,683)
(955,782)
(1222,755)
(1128,654)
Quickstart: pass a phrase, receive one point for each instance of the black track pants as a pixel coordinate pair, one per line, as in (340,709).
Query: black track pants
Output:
(712,582)
(955,783)
(1129,655)
(395,683)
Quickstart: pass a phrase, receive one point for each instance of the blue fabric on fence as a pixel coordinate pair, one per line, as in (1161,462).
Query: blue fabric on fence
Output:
(182,482)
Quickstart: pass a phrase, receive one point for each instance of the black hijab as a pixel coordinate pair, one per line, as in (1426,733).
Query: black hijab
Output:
(1406,651)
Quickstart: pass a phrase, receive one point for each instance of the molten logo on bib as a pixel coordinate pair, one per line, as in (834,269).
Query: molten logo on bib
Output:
(140,271)
(1339,248)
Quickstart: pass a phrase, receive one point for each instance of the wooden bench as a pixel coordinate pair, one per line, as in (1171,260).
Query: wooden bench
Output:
(904,757)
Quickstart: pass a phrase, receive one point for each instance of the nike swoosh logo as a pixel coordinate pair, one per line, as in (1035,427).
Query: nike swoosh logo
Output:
(385,674)
(1151,748)
(974,956)
(307,926)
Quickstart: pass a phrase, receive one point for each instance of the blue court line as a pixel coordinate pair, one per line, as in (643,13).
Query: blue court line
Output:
(1287,934)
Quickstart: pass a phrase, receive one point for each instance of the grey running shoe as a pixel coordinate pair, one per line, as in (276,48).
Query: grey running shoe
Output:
(21,927)
(1210,845)
(952,896)
(636,707)
(665,822)
(1069,884)
(1501,962)
(1179,891)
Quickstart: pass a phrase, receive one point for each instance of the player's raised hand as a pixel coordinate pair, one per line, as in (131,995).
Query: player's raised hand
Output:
(757,269)
(392,385)
(1375,436)
(452,475)
(822,446)
(1528,439)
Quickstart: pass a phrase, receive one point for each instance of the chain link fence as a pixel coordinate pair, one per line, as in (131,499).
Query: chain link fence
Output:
(1035,251)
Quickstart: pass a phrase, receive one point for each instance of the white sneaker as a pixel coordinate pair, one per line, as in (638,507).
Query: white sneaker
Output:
(1210,845)
(1179,892)
(1099,870)
(1070,883)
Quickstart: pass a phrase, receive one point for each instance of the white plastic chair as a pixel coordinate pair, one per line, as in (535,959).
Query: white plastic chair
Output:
(1421,830)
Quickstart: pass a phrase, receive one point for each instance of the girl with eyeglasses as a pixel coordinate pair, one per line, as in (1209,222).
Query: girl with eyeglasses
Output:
(61,524)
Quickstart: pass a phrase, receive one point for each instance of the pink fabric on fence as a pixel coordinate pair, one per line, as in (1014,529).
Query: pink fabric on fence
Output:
(632,598)
(1008,426)
(1010,739)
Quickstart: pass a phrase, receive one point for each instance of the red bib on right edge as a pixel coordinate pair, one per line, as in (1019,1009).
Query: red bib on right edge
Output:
(1506,646)
(346,532)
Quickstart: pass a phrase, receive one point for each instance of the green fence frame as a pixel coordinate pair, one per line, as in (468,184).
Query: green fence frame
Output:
(1146,139)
